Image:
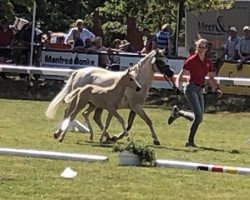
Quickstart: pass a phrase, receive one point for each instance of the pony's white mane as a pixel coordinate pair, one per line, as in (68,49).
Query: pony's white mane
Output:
(117,79)
(142,62)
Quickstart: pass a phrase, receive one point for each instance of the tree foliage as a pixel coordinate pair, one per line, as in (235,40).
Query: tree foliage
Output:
(208,5)
(58,15)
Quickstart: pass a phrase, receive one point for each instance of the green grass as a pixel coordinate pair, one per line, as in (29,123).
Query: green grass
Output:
(222,136)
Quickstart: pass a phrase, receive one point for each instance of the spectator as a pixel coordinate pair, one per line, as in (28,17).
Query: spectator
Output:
(125,46)
(84,33)
(78,43)
(229,48)
(149,41)
(116,44)
(115,59)
(6,40)
(197,66)
(243,47)
(163,39)
(103,56)
(88,43)
(46,39)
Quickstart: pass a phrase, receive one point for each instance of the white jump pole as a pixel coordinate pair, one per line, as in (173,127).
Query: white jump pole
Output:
(203,167)
(53,155)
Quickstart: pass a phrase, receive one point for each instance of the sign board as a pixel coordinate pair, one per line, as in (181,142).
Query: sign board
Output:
(128,61)
(73,60)
(214,25)
(229,70)
(68,59)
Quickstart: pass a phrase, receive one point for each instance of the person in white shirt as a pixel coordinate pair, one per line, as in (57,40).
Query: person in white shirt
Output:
(243,47)
(229,47)
(84,33)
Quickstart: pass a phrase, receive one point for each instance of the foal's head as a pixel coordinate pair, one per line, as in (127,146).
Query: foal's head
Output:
(128,80)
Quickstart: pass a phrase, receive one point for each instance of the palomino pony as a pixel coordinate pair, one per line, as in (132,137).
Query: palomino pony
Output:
(102,97)
(143,71)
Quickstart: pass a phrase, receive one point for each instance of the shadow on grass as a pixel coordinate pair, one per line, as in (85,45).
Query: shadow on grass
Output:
(95,144)
(111,144)
(233,151)
(194,150)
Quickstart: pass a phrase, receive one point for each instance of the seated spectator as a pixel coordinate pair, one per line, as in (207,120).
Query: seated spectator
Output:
(88,43)
(84,33)
(98,47)
(125,46)
(78,43)
(229,48)
(46,39)
(6,40)
(149,41)
(115,46)
(114,58)
(116,43)
(163,39)
(243,47)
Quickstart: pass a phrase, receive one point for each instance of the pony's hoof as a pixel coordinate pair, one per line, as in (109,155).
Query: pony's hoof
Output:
(61,140)
(114,138)
(91,138)
(107,142)
(56,135)
(156,142)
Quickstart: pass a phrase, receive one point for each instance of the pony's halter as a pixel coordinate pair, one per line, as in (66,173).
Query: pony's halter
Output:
(164,68)
(167,72)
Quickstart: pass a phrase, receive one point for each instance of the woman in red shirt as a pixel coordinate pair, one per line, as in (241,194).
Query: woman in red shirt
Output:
(197,66)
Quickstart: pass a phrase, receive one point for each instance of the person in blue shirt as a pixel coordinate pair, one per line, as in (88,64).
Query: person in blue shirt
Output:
(78,43)
(163,39)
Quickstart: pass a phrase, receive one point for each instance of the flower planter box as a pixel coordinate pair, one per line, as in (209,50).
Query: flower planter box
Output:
(127,158)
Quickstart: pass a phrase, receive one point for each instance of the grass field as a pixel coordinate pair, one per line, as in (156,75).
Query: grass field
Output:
(221,138)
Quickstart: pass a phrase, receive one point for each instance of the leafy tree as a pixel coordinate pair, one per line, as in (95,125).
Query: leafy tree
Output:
(58,15)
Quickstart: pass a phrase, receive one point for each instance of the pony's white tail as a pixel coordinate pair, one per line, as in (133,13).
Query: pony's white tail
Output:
(54,104)
(71,95)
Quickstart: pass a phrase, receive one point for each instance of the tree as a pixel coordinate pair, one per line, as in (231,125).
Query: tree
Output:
(112,16)
(10,8)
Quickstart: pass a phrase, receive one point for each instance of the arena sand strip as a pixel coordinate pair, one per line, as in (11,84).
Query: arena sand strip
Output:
(53,155)
(203,167)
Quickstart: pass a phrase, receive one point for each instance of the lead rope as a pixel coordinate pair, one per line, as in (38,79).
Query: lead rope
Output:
(176,90)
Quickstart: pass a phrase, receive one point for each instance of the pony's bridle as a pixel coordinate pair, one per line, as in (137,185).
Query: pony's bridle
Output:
(168,73)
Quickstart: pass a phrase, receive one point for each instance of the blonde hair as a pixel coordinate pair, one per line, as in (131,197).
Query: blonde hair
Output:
(79,21)
(200,41)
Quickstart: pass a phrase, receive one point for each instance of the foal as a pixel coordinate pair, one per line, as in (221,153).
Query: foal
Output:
(102,97)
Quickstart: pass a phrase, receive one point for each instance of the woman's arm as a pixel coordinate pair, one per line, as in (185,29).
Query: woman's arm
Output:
(180,76)
(213,83)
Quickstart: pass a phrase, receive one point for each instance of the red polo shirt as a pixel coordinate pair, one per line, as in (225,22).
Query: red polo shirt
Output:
(6,37)
(198,69)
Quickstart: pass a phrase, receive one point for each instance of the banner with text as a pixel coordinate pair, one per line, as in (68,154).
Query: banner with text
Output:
(68,59)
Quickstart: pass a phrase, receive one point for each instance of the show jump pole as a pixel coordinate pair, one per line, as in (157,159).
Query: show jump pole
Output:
(53,155)
(202,167)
